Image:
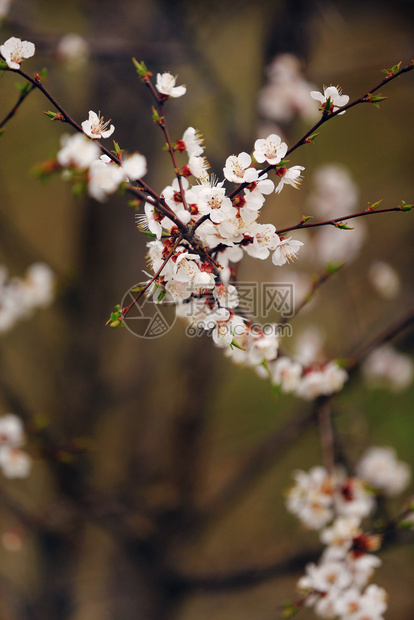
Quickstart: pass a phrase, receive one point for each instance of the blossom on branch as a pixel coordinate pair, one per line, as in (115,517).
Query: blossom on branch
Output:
(237,169)
(77,151)
(14,462)
(134,166)
(191,142)
(289,176)
(96,127)
(14,51)
(331,100)
(104,179)
(272,150)
(166,86)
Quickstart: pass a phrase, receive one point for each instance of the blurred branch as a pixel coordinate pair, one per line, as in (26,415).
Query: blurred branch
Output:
(248,577)
(261,458)
(389,333)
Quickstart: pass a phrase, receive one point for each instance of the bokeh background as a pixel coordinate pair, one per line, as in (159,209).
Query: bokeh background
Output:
(129,511)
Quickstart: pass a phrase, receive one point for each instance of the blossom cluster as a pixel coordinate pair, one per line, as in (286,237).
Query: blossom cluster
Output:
(196,273)
(20,296)
(14,462)
(336,504)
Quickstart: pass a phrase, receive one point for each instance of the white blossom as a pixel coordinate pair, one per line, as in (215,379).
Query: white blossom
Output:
(77,151)
(290,176)
(165,85)
(103,179)
(384,279)
(286,251)
(11,430)
(14,51)
(134,166)
(286,373)
(386,367)
(334,95)
(73,49)
(15,463)
(191,142)
(96,127)
(379,467)
(272,150)
(237,169)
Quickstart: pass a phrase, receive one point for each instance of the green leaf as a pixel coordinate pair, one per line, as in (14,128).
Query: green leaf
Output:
(23,88)
(342,226)
(115,319)
(396,68)
(305,218)
(372,206)
(234,344)
(405,207)
(155,116)
(332,268)
(51,115)
(141,69)
(3,65)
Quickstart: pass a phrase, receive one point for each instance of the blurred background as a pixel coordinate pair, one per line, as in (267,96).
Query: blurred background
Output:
(160,469)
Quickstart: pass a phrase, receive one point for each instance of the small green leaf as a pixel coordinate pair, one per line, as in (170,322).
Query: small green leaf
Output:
(115,319)
(3,65)
(23,88)
(342,226)
(51,115)
(305,218)
(141,69)
(312,137)
(155,116)
(372,206)
(396,68)
(332,268)
(405,207)
(43,73)
(161,295)
(236,345)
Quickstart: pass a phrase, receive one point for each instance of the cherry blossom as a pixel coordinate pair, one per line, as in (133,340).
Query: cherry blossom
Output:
(165,85)
(77,151)
(191,142)
(237,169)
(289,176)
(379,467)
(333,96)
(96,127)
(134,166)
(14,51)
(286,251)
(103,179)
(272,150)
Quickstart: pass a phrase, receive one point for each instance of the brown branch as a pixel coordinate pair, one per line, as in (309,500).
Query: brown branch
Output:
(261,458)
(16,106)
(326,117)
(389,333)
(247,577)
(338,220)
